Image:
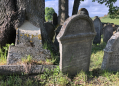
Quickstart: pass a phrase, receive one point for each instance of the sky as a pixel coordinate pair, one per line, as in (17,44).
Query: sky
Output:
(94,8)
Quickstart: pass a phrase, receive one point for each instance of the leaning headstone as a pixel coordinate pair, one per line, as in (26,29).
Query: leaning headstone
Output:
(111,54)
(55,19)
(49,29)
(107,33)
(97,25)
(56,33)
(75,41)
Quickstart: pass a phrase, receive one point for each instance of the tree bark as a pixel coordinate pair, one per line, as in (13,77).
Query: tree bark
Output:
(19,10)
(75,7)
(7,30)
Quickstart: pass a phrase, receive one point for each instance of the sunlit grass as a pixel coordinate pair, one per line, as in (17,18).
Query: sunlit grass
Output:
(109,20)
(95,76)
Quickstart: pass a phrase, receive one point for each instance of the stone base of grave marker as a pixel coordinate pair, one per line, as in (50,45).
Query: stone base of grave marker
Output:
(28,42)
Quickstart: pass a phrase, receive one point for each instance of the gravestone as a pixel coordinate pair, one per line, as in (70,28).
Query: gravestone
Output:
(56,33)
(28,34)
(49,29)
(107,32)
(98,28)
(111,54)
(75,41)
(117,29)
(83,11)
(28,42)
(55,19)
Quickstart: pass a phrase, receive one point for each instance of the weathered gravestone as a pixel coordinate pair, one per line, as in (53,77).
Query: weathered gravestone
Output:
(117,29)
(83,11)
(55,19)
(107,32)
(75,41)
(98,28)
(111,54)
(49,29)
(28,35)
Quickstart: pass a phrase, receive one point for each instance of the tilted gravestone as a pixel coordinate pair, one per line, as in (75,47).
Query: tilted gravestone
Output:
(111,54)
(49,29)
(28,34)
(107,32)
(75,41)
(97,25)
(55,19)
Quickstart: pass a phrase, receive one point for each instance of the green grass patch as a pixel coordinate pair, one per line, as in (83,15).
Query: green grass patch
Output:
(109,20)
(95,76)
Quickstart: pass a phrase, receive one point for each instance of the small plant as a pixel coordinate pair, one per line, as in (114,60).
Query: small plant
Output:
(27,60)
(3,54)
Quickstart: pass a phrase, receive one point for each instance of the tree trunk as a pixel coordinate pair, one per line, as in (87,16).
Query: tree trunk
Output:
(19,10)
(7,30)
(75,7)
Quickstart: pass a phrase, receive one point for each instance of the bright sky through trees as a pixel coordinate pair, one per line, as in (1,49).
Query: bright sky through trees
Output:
(94,8)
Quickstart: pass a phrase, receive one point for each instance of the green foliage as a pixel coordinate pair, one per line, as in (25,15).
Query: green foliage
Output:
(3,54)
(54,56)
(49,13)
(109,20)
(113,10)
(54,77)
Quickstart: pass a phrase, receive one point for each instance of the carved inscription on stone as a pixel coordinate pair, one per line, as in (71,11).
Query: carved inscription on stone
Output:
(75,41)
(111,54)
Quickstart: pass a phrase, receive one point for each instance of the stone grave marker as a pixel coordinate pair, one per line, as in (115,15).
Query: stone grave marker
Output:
(111,54)
(28,42)
(50,29)
(117,30)
(28,34)
(83,11)
(107,33)
(55,19)
(98,28)
(75,41)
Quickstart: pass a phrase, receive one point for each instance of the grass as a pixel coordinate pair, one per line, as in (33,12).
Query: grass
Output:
(3,54)
(95,76)
(30,60)
(109,20)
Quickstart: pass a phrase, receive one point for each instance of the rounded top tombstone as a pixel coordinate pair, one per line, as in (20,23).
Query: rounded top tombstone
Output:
(75,41)
(82,22)
(83,11)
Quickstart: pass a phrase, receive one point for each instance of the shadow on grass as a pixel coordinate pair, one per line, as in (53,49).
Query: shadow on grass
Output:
(98,47)
(98,72)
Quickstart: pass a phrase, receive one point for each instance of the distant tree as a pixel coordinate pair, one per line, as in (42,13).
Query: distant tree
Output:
(49,13)
(113,10)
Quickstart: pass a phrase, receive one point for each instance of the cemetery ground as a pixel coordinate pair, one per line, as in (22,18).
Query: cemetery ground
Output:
(95,76)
